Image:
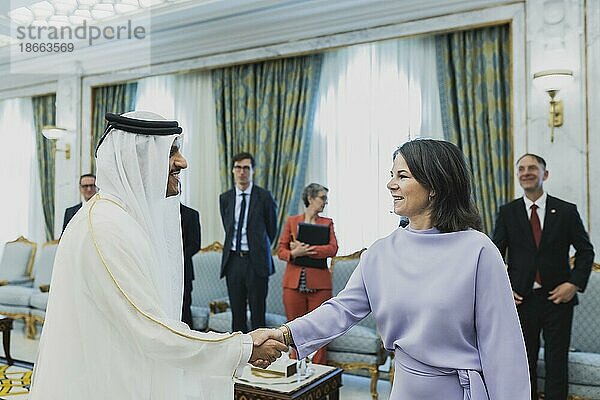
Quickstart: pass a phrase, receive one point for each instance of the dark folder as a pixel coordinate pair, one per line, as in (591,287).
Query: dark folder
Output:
(312,234)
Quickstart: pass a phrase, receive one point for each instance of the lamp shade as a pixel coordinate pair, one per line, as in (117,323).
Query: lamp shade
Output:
(553,79)
(52,132)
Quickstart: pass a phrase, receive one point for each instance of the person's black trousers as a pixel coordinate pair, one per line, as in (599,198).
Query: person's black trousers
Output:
(245,288)
(538,314)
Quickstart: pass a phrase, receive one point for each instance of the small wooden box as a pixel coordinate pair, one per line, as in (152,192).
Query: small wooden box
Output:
(283,367)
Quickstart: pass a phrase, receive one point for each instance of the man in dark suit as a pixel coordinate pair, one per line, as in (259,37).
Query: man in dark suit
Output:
(535,232)
(87,189)
(190,232)
(249,216)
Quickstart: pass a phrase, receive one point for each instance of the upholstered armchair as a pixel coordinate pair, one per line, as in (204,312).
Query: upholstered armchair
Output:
(17,262)
(207,287)
(15,278)
(361,347)
(584,357)
(29,302)
(42,275)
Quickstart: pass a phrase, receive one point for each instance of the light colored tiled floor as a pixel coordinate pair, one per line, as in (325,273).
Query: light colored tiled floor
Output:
(355,387)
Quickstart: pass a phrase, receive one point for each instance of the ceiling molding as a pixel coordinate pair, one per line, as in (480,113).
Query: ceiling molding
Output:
(211,29)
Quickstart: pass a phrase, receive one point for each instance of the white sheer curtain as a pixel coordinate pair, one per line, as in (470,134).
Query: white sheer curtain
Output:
(188,98)
(20,208)
(372,98)
(195,111)
(156,94)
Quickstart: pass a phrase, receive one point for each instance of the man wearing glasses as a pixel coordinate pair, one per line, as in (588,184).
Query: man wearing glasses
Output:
(87,188)
(249,216)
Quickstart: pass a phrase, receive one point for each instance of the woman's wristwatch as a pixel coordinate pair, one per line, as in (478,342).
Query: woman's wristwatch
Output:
(287,335)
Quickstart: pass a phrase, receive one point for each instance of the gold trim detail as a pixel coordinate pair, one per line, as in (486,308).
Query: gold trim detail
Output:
(33,328)
(595,265)
(94,201)
(217,306)
(50,243)
(29,322)
(214,246)
(586,90)
(353,256)
(24,240)
(371,368)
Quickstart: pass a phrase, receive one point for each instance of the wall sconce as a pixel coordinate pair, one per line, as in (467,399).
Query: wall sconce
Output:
(53,133)
(552,81)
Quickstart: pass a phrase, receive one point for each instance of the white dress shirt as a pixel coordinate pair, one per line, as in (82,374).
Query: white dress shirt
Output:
(236,216)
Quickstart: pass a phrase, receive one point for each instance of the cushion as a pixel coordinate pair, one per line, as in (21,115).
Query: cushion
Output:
(584,368)
(274,300)
(15,260)
(42,269)
(38,313)
(358,339)
(220,322)
(586,317)
(39,300)
(207,284)
(342,268)
(16,295)
(352,357)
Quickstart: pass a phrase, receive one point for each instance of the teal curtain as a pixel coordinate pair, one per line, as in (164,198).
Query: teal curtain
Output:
(474,76)
(44,113)
(117,99)
(267,109)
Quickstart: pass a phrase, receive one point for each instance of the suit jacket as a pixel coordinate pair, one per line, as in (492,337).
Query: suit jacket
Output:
(562,228)
(69,213)
(261,228)
(316,278)
(190,232)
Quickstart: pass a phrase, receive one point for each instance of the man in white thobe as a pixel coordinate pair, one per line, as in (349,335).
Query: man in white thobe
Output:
(112,328)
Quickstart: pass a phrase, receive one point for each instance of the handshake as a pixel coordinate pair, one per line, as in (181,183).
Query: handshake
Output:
(268,344)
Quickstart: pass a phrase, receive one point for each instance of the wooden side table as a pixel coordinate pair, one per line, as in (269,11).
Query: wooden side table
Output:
(324,384)
(6,325)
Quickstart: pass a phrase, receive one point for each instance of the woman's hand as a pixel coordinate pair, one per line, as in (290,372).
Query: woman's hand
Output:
(302,249)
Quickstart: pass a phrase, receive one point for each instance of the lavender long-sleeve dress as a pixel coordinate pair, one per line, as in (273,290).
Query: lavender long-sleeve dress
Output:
(443,304)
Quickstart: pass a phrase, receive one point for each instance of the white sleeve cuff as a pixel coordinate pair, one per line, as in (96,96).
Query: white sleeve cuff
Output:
(247,346)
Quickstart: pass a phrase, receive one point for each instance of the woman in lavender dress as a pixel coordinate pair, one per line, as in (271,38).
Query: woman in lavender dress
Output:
(438,289)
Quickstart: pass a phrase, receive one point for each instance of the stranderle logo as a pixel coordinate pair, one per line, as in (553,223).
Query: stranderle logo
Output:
(50,35)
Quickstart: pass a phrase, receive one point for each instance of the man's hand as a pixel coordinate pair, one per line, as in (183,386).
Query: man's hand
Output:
(259,336)
(518,299)
(268,346)
(563,293)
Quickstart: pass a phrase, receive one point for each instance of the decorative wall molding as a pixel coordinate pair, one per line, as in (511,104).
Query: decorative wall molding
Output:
(555,39)
(592,53)
(201,29)
(369,31)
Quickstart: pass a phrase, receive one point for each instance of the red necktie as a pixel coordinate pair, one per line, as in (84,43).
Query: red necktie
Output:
(536,229)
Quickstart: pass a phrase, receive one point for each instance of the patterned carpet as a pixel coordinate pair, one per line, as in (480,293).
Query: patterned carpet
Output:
(15,381)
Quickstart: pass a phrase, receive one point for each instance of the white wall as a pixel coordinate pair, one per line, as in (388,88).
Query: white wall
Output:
(556,40)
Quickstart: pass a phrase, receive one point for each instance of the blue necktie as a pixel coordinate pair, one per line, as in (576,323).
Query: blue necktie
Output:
(238,239)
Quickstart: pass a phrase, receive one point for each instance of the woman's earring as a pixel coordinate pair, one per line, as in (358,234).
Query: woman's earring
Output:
(430,197)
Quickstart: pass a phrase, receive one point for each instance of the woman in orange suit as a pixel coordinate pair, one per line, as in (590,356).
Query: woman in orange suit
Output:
(305,288)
